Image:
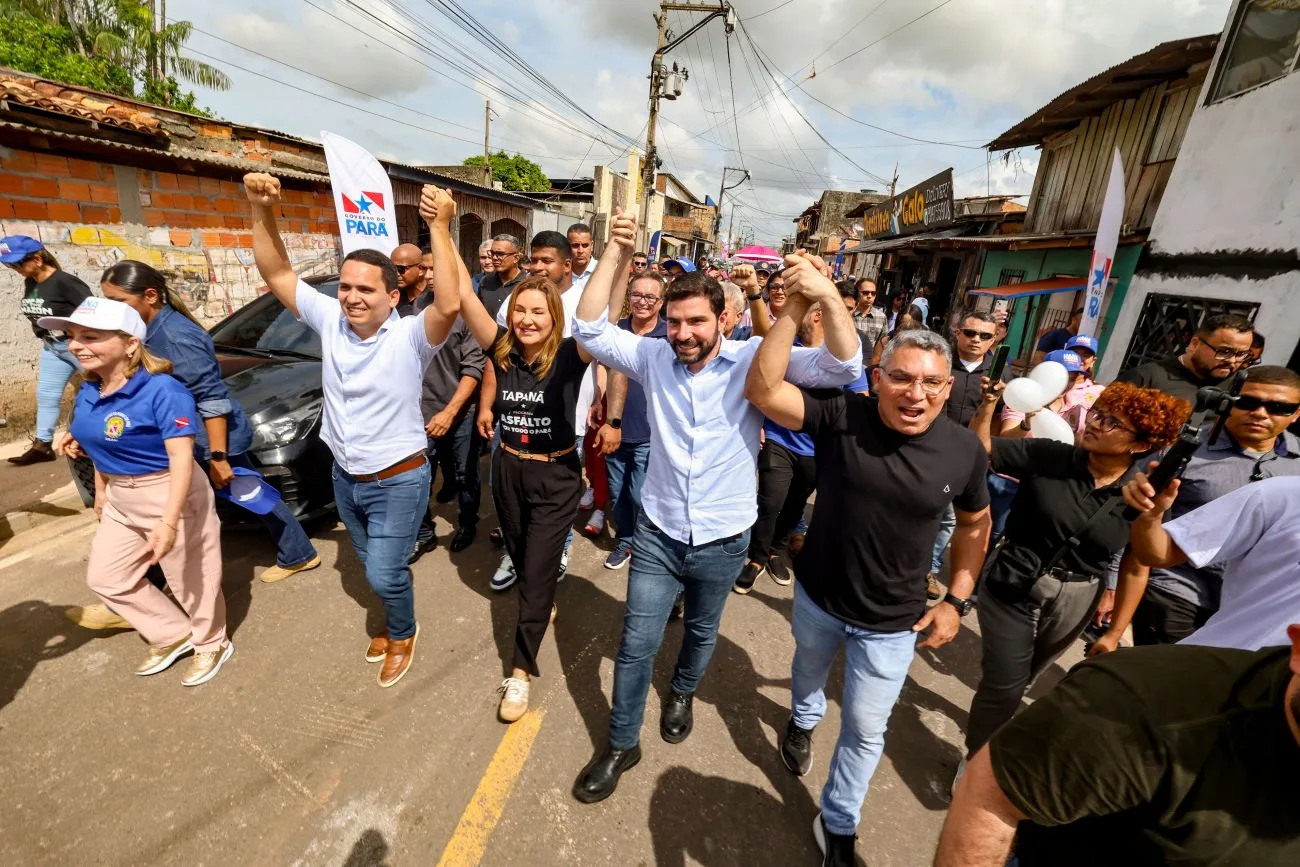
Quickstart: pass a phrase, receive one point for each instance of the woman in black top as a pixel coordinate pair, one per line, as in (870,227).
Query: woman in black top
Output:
(536,472)
(1034,602)
(48,291)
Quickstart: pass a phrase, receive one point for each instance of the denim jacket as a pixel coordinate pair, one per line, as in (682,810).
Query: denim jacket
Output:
(194,362)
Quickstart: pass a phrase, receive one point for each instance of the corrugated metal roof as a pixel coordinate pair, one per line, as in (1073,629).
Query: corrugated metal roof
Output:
(180,154)
(883,244)
(1166,62)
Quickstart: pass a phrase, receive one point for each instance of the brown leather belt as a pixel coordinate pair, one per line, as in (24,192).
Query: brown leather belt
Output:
(405,465)
(538,456)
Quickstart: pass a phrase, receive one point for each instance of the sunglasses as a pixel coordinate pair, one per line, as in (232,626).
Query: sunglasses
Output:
(1246,403)
(972,334)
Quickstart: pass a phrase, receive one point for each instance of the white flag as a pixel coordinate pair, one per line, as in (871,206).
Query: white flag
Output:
(363,196)
(1103,251)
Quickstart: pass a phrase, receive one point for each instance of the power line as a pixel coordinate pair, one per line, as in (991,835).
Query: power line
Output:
(887,35)
(769,11)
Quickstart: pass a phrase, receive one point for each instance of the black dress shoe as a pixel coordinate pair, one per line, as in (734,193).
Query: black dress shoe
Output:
(600,778)
(463,539)
(677,719)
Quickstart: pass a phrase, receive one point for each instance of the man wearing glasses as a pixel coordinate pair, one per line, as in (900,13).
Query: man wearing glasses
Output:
(497,286)
(408,259)
(624,438)
(1179,599)
(895,463)
(1221,346)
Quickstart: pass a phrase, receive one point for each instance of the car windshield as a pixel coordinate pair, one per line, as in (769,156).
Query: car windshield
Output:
(264,325)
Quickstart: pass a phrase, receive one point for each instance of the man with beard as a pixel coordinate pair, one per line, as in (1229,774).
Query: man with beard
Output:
(1220,346)
(1176,754)
(697,503)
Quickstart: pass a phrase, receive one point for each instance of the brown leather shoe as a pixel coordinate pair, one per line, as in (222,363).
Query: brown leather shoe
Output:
(378,648)
(398,658)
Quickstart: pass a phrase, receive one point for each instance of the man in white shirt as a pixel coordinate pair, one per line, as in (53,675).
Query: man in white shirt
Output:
(372,371)
(697,501)
(1254,532)
(579,236)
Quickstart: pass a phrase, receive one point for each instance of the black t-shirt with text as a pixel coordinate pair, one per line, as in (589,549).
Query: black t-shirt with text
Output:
(536,415)
(57,295)
(880,497)
(1173,754)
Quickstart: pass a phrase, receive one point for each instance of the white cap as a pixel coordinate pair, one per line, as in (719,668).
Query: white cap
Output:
(101,314)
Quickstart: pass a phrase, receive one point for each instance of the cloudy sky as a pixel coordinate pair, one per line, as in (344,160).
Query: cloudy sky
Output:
(827,93)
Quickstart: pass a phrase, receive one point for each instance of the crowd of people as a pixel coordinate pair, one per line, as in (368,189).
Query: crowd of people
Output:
(697,412)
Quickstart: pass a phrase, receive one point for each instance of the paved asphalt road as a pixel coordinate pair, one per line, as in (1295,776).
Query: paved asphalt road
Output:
(293,755)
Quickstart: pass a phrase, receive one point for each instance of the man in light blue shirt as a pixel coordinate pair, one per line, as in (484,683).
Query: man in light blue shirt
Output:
(372,372)
(698,500)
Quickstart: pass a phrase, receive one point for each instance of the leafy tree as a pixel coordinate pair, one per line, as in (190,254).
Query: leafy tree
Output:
(49,50)
(516,173)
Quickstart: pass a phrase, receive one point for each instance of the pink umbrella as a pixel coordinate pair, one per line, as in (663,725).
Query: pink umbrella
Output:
(757,253)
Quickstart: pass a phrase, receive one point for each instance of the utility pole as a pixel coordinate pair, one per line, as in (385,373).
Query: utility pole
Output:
(893,183)
(487,153)
(657,78)
(722,189)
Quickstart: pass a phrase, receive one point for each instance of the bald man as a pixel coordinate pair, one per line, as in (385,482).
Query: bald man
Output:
(409,260)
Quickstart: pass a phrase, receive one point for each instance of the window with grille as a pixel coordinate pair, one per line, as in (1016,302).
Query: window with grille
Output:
(1009,276)
(1167,323)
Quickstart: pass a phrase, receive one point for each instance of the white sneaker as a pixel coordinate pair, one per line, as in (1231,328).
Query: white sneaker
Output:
(588,499)
(505,574)
(564,565)
(961,769)
(595,524)
(514,699)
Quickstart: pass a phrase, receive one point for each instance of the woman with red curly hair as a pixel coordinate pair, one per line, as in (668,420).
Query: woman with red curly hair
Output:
(1058,554)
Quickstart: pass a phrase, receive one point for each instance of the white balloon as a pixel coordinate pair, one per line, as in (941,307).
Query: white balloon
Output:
(1053,377)
(1047,425)
(1024,395)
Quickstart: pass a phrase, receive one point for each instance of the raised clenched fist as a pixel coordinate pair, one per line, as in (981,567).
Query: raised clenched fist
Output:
(745,277)
(262,189)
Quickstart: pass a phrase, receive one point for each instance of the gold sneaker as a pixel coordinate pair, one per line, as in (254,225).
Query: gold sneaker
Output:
(279,573)
(161,658)
(205,665)
(514,699)
(97,616)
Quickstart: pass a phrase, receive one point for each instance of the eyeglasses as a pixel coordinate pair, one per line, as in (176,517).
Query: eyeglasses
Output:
(931,385)
(972,334)
(1224,353)
(497,254)
(1106,422)
(639,298)
(1247,403)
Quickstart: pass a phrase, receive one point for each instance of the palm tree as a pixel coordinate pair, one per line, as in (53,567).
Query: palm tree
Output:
(134,39)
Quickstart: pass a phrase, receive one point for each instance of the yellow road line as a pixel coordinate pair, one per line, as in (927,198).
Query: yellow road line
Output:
(469,840)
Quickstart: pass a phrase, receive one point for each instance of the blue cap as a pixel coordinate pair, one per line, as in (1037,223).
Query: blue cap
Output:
(1083,341)
(250,491)
(682,262)
(16,248)
(1067,358)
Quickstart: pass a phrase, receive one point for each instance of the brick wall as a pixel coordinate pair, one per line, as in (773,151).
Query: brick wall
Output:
(196,230)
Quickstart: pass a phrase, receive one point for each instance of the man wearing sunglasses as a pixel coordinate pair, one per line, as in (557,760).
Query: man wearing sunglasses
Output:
(408,259)
(1220,346)
(1181,598)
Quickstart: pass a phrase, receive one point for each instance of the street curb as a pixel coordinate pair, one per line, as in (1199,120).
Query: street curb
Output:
(32,515)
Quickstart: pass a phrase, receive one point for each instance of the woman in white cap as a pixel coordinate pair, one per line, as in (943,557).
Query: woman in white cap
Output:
(138,426)
(48,290)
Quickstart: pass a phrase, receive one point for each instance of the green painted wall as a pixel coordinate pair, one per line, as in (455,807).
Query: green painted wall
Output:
(1043,264)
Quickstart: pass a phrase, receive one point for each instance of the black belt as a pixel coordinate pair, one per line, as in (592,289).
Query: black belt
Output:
(1069,577)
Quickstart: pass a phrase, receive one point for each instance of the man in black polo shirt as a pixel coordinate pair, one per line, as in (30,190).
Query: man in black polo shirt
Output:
(1221,345)
(894,463)
(497,286)
(449,403)
(1166,755)
(408,259)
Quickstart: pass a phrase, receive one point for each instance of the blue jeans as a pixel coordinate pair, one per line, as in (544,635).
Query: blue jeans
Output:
(626,471)
(1001,492)
(56,367)
(875,668)
(661,566)
(292,547)
(383,519)
(947,524)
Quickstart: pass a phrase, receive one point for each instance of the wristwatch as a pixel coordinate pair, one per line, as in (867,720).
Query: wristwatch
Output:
(615,423)
(963,606)
(219,456)
(755,297)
